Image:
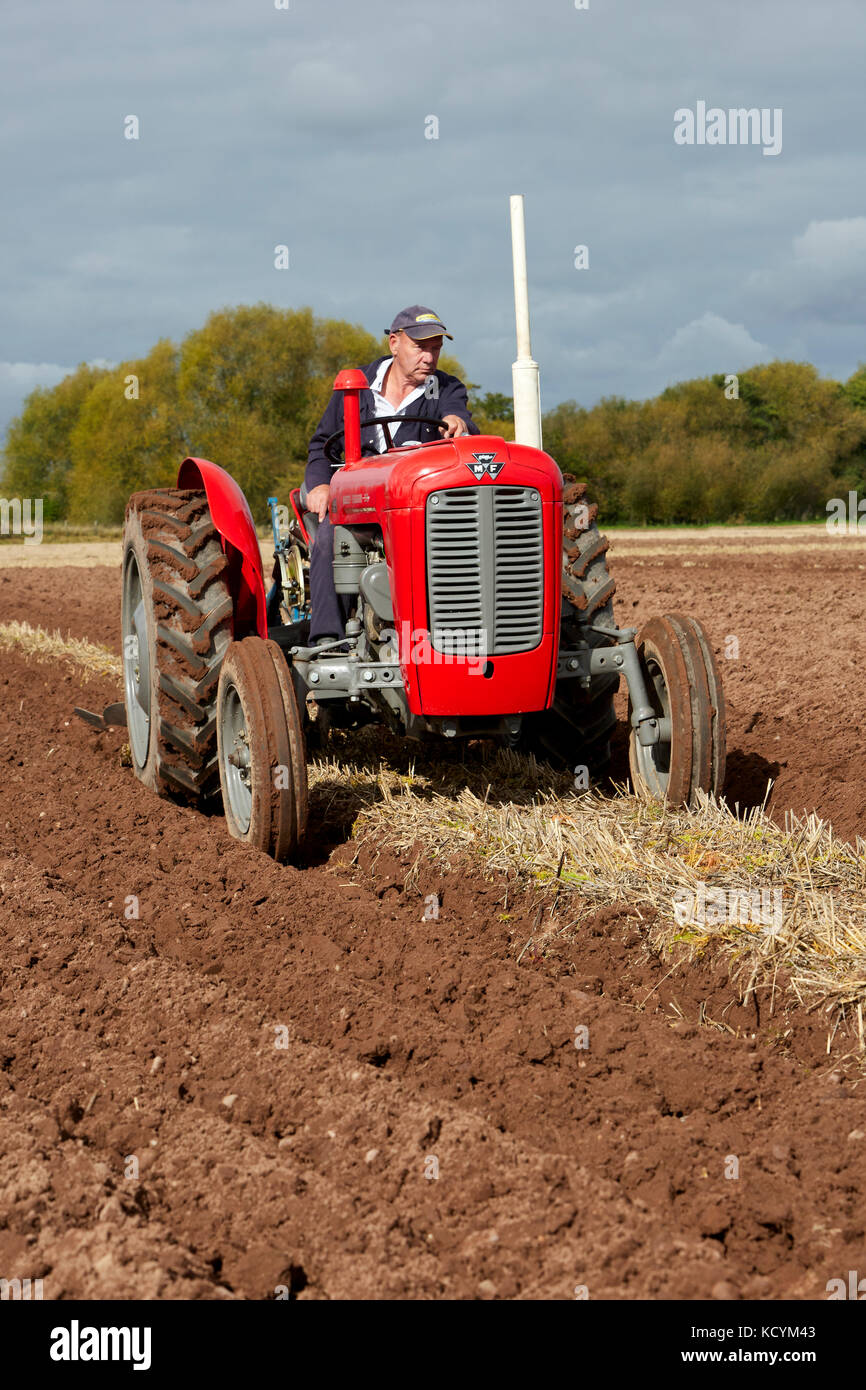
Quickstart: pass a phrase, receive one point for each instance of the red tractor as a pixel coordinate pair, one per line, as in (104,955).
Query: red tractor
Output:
(480,606)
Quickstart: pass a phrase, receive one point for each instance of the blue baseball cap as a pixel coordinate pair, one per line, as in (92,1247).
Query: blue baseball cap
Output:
(418,322)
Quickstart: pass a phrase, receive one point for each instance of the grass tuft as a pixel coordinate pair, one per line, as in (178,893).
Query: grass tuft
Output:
(87,657)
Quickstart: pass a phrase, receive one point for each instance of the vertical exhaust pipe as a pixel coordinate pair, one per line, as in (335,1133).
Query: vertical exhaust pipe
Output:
(351,382)
(524,372)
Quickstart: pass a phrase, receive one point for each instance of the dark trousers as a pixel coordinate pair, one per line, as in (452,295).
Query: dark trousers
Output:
(329,609)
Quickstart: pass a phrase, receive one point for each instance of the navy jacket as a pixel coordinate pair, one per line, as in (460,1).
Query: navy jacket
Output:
(452,400)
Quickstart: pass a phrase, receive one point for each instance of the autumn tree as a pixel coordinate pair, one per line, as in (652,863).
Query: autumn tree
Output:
(130,434)
(38,450)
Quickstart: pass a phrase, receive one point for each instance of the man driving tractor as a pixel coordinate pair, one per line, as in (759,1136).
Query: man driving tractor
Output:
(407,378)
(477,549)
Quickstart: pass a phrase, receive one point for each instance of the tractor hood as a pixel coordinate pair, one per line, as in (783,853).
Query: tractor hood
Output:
(363,492)
(501,503)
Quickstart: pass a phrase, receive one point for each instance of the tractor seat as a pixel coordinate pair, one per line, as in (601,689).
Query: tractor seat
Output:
(311,521)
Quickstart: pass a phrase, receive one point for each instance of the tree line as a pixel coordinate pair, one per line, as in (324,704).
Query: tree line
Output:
(247,390)
(773,443)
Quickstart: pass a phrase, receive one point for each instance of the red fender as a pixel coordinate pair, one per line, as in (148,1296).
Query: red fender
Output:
(234,521)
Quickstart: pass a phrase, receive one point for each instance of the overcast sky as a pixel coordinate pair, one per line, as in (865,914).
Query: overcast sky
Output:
(307,127)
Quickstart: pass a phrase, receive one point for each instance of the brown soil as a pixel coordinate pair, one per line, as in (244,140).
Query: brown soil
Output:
(795,692)
(407,1040)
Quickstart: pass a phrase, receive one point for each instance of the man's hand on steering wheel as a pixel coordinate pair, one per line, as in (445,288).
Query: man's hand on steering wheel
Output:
(449,428)
(455,427)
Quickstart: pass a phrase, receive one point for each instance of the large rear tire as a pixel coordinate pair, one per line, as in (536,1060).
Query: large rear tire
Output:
(576,729)
(685,690)
(176,621)
(262,759)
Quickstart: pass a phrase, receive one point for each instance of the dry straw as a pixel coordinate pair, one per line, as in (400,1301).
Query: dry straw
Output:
(526,822)
(89,658)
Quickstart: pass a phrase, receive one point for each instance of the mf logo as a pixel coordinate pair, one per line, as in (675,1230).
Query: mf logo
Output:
(486,463)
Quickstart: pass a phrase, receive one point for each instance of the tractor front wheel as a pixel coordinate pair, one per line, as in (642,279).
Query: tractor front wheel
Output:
(685,691)
(262,760)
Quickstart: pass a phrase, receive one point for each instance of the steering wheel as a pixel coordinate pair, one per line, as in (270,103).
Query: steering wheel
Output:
(332,454)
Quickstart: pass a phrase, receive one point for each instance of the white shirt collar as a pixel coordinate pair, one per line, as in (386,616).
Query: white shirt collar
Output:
(378,380)
(384,407)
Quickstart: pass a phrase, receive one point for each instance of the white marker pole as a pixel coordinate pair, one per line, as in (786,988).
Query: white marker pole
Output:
(524,372)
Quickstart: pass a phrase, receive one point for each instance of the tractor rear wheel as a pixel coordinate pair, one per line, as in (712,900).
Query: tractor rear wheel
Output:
(685,690)
(176,622)
(262,760)
(586,584)
(576,729)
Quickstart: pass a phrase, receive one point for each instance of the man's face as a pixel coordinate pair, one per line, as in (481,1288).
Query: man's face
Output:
(415,358)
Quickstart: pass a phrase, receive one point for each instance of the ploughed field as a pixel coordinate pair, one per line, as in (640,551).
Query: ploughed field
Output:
(283,1078)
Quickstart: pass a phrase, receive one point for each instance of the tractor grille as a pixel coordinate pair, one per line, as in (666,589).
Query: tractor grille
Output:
(485,570)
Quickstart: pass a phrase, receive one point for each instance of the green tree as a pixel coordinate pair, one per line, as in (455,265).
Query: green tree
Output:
(494,405)
(793,484)
(38,452)
(123,442)
(854,388)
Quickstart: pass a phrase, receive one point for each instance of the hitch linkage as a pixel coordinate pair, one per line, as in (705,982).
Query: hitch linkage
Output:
(619,658)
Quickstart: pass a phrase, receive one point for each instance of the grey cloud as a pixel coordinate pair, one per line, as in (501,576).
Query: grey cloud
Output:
(306,127)
(699,347)
(821,276)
